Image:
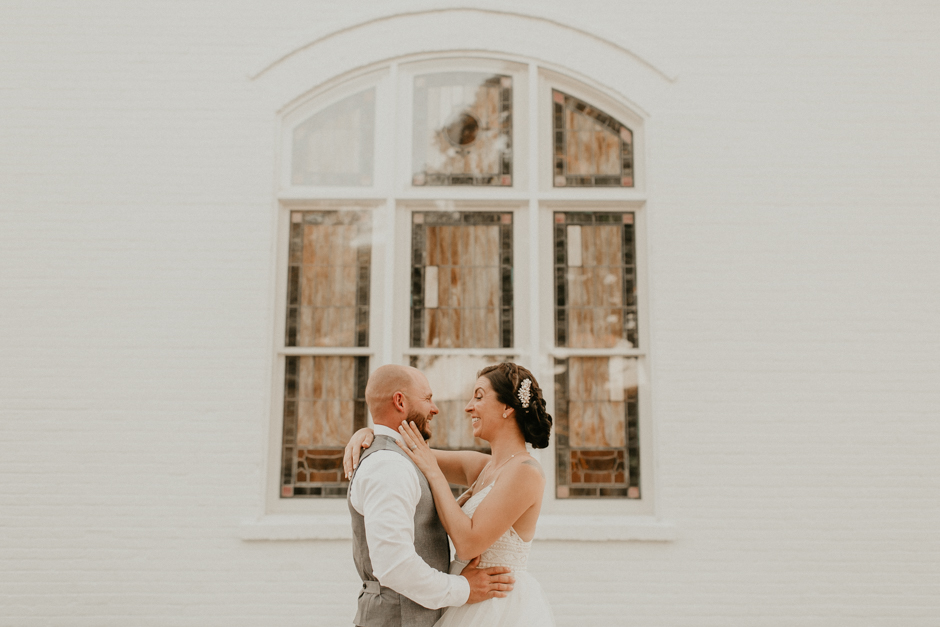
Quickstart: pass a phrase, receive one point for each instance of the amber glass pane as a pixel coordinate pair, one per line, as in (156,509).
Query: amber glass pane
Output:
(595,280)
(596,416)
(462,129)
(335,146)
(324,402)
(461,290)
(591,149)
(328,279)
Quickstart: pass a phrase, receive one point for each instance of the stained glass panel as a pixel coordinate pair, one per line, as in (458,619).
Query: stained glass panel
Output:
(461,287)
(328,279)
(335,146)
(591,148)
(595,280)
(596,428)
(462,129)
(324,403)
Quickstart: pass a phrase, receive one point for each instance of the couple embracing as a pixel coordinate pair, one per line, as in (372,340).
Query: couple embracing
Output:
(403,510)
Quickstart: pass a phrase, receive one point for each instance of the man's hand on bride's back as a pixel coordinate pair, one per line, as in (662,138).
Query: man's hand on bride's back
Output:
(486,583)
(361,439)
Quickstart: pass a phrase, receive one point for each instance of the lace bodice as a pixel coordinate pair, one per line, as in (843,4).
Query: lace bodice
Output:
(509,549)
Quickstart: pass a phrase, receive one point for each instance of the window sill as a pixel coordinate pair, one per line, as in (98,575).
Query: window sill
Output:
(551,527)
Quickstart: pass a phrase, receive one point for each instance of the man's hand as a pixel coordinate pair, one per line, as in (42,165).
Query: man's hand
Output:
(361,439)
(486,583)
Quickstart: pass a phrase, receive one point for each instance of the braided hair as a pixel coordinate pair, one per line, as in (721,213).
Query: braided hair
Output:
(508,379)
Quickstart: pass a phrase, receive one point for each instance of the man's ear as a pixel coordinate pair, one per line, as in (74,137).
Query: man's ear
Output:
(398,399)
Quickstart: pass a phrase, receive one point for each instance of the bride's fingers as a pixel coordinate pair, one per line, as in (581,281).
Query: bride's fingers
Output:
(353,451)
(405,429)
(405,447)
(406,436)
(349,459)
(418,437)
(415,434)
(357,451)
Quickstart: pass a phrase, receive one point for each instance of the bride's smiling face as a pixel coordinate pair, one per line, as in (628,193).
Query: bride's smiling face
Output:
(484,408)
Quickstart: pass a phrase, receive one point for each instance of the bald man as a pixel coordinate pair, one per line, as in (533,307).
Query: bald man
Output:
(399,545)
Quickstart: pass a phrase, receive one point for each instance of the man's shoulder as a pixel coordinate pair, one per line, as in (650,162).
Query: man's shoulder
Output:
(385,475)
(384,464)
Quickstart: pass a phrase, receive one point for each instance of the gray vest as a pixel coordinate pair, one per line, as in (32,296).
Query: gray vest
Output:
(381,606)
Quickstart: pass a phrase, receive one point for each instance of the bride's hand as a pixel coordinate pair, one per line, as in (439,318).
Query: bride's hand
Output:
(361,439)
(417,449)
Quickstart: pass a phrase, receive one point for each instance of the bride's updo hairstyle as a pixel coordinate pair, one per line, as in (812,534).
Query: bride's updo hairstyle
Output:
(509,383)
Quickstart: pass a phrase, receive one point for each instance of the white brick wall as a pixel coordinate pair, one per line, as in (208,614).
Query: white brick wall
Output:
(795,272)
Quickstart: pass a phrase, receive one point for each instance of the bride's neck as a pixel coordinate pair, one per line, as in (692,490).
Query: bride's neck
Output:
(504,447)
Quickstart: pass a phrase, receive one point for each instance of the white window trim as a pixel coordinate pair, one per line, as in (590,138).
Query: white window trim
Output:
(532,199)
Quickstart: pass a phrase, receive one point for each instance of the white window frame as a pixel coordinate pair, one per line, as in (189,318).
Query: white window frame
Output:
(532,199)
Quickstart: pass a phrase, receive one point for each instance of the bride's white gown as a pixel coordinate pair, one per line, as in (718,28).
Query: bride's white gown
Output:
(525,605)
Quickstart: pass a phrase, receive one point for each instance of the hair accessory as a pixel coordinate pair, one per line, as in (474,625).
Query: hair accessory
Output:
(525,393)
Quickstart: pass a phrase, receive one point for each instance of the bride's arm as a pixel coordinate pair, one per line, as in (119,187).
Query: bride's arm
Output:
(519,488)
(459,467)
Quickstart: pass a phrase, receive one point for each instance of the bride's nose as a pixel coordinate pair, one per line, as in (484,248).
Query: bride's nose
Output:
(468,408)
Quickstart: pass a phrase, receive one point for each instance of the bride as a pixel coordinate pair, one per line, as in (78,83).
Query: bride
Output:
(496,517)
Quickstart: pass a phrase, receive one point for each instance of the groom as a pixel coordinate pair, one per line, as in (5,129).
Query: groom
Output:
(399,545)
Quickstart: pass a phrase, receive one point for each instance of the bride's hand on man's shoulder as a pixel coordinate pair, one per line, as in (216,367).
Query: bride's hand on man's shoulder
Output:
(361,439)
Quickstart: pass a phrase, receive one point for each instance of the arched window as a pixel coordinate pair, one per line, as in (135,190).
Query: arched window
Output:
(450,213)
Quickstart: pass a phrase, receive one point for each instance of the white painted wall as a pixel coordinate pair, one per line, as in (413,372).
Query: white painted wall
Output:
(793,221)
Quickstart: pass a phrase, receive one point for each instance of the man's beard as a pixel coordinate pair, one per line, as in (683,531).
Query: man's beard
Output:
(421,421)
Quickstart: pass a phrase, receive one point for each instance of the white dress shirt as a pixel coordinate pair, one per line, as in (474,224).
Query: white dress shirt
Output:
(386,491)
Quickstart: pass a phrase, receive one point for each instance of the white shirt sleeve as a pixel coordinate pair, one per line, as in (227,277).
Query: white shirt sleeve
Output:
(386,492)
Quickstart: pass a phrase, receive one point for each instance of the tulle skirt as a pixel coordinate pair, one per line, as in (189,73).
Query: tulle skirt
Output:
(525,606)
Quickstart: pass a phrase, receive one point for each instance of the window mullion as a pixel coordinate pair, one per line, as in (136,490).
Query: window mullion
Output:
(291,351)
(565,353)
(533,273)
(387,244)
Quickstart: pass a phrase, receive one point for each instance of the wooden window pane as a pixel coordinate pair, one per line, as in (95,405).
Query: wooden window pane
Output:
(596,420)
(462,129)
(461,279)
(335,146)
(591,149)
(328,279)
(324,403)
(595,280)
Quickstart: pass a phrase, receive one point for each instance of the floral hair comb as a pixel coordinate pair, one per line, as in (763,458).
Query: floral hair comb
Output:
(525,393)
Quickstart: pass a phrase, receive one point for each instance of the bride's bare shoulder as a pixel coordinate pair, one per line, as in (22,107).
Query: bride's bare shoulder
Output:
(527,473)
(533,463)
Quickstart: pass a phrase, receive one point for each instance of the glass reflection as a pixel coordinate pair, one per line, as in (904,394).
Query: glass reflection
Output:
(335,146)
(462,129)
